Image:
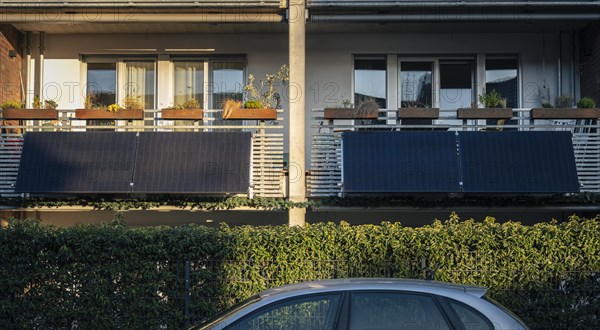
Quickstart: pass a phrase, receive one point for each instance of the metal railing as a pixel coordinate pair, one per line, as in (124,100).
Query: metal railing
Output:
(325,171)
(267,179)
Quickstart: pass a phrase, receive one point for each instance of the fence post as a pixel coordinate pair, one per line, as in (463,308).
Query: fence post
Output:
(186,295)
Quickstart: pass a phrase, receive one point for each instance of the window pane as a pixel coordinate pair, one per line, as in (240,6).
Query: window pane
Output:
(501,76)
(370,81)
(140,82)
(315,312)
(391,311)
(456,85)
(416,84)
(189,81)
(101,82)
(227,82)
(470,318)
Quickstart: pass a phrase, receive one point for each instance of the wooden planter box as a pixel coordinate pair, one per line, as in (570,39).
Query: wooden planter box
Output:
(182,114)
(349,113)
(104,114)
(564,113)
(30,114)
(418,113)
(484,113)
(252,114)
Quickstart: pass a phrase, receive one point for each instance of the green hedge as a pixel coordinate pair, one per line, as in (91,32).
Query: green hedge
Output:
(112,276)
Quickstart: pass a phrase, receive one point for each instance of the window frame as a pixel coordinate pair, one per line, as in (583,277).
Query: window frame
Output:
(382,57)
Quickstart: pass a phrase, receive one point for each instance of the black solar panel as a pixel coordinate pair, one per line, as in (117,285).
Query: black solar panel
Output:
(188,162)
(518,162)
(86,162)
(390,162)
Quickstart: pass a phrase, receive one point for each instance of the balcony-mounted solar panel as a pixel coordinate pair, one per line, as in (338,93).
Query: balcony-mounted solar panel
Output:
(190,162)
(84,162)
(518,162)
(399,162)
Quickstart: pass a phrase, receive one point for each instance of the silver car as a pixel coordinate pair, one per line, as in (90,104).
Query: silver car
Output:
(362,303)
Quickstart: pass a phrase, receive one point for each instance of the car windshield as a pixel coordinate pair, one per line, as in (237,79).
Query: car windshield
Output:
(223,315)
(497,304)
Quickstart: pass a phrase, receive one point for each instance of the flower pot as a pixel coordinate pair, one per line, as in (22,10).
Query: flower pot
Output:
(30,114)
(484,113)
(252,114)
(104,114)
(350,113)
(418,113)
(564,113)
(182,114)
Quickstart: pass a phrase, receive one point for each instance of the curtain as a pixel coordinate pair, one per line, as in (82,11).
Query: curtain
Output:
(189,82)
(140,82)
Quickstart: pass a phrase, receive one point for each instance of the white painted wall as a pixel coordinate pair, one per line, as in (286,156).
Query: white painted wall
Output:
(329,63)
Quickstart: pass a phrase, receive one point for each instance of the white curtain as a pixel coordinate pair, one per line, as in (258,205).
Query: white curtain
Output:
(189,80)
(140,82)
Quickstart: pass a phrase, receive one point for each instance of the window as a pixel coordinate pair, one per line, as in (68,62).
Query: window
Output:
(102,82)
(456,84)
(501,75)
(188,81)
(370,80)
(383,310)
(227,82)
(140,82)
(416,84)
(470,318)
(318,312)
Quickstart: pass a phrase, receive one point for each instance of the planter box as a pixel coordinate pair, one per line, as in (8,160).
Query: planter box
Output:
(484,113)
(564,113)
(30,114)
(252,114)
(418,113)
(106,115)
(349,113)
(183,114)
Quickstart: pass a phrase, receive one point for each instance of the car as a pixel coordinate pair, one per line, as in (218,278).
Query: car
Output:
(363,304)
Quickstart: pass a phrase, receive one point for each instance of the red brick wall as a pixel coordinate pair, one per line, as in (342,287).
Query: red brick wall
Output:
(589,49)
(10,68)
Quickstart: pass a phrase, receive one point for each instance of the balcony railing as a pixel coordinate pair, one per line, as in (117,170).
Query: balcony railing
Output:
(325,170)
(267,178)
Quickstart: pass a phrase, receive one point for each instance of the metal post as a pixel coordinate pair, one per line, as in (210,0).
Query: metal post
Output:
(186,295)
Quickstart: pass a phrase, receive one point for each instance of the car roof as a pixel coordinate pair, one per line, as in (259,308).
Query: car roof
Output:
(374,284)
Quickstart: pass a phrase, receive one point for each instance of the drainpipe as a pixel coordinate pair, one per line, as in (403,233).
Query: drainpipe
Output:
(28,38)
(297,113)
(559,64)
(41,64)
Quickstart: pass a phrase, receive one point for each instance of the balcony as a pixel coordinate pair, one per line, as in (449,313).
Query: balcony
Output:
(326,167)
(266,178)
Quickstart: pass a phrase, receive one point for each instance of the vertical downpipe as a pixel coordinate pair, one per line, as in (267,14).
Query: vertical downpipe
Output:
(41,64)
(559,64)
(28,69)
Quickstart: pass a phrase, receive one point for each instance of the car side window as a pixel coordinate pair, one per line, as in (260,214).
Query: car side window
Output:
(390,310)
(315,312)
(470,318)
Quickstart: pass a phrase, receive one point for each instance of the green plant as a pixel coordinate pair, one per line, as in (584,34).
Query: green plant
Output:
(586,103)
(11,105)
(346,104)
(132,102)
(492,99)
(113,107)
(190,104)
(50,104)
(36,102)
(253,104)
(563,101)
(547,105)
(264,91)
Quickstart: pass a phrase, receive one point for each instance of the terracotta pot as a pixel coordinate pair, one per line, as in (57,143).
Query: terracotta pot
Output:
(183,114)
(564,113)
(419,113)
(252,114)
(30,114)
(350,113)
(484,113)
(123,114)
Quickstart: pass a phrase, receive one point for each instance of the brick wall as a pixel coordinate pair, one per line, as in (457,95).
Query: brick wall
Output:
(10,68)
(589,49)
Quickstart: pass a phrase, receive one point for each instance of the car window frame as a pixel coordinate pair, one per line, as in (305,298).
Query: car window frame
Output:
(436,299)
(342,297)
(445,301)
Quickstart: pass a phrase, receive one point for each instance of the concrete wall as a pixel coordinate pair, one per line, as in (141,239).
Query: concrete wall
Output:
(10,68)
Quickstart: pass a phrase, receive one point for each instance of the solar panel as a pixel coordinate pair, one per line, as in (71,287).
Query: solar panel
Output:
(396,162)
(518,162)
(190,162)
(85,162)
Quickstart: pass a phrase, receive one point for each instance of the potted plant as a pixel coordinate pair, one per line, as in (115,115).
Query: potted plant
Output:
(367,109)
(494,107)
(14,110)
(417,110)
(586,109)
(190,110)
(131,109)
(261,99)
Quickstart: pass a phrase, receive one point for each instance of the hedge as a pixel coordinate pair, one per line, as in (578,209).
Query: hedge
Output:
(112,276)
